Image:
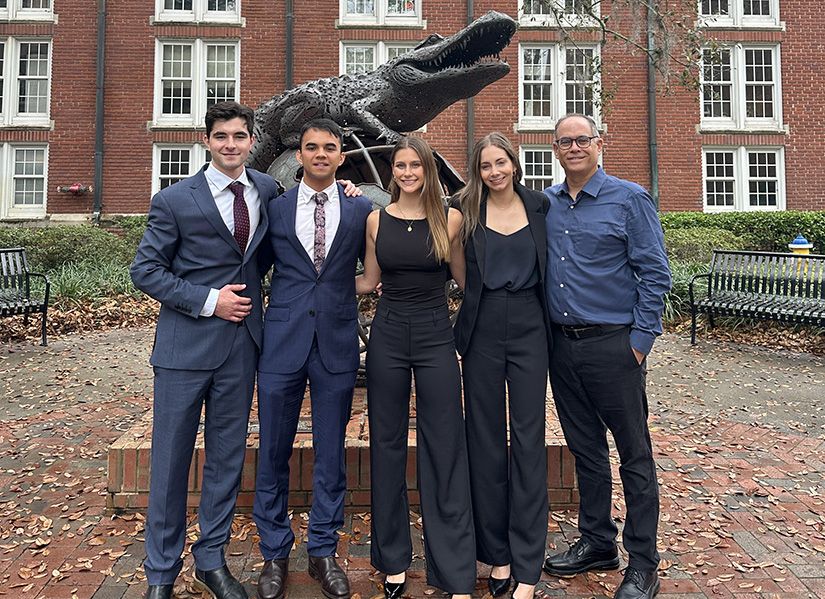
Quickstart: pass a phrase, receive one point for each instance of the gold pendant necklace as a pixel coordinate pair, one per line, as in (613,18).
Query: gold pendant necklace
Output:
(409,221)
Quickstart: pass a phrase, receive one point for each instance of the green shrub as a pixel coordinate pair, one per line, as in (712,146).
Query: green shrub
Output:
(133,228)
(768,231)
(91,280)
(49,248)
(677,301)
(696,244)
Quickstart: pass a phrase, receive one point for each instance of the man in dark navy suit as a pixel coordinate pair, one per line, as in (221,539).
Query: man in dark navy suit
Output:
(200,257)
(310,335)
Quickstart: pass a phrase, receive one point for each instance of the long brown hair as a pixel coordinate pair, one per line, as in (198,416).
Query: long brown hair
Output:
(475,190)
(431,195)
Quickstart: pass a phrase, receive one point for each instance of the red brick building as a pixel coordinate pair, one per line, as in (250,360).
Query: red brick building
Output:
(751,139)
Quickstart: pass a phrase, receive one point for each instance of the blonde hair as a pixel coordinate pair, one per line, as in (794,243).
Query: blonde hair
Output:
(431,194)
(474,191)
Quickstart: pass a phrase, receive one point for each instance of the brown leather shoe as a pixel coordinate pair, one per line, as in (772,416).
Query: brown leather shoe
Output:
(334,583)
(272,581)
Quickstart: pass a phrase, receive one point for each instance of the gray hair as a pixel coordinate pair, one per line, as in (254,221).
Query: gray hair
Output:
(594,128)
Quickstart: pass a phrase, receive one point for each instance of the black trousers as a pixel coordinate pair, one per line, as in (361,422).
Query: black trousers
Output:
(420,343)
(509,489)
(598,385)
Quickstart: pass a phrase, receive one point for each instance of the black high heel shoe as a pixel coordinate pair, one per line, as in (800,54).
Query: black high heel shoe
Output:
(498,586)
(394,590)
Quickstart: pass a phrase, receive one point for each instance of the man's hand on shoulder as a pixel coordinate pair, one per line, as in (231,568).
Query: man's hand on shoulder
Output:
(231,306)
(350,189)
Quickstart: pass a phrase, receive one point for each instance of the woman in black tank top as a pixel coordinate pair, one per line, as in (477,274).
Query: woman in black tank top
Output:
(409,247)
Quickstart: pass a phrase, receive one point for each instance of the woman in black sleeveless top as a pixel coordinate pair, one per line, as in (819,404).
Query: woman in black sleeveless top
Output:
(409,246)
(502,337)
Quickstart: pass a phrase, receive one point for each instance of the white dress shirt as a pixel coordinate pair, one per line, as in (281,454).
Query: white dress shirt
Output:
(305,217)
(225,201)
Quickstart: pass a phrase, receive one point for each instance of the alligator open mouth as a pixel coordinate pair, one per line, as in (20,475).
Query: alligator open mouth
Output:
(477,45)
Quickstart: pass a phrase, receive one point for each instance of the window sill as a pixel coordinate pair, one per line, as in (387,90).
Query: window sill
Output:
(30,19)
(743,27)
(159,22)
(47,125)
(705,130)
(412,25)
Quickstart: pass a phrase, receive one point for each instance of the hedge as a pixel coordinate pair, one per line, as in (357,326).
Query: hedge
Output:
(696,244)
(49,248)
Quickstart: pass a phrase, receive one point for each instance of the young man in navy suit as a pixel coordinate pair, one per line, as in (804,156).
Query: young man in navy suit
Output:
(310,335)
(200,257)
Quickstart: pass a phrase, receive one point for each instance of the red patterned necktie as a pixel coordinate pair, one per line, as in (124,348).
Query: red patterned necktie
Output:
(320,229)
(241,213)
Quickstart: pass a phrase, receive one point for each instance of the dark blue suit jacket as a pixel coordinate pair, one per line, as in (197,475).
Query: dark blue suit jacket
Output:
(186,251)
(304,304)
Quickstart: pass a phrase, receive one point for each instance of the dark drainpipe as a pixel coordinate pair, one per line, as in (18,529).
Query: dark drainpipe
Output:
(471,111)
(290,25)
(99,114)
(651,113)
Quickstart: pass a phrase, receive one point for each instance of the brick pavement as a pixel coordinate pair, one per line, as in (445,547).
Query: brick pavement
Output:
(742,485)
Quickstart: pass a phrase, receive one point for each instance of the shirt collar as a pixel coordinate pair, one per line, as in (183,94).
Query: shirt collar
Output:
(592,187)
(220,180)
(305,192)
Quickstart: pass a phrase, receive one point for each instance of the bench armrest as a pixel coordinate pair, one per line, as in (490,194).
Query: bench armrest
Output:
(702,275)
(45,281)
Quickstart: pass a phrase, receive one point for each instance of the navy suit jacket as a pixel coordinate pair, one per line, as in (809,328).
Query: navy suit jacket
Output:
(475,253)
(305,305)
(187,250)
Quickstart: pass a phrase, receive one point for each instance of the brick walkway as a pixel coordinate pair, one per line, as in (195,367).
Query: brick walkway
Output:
(738,433)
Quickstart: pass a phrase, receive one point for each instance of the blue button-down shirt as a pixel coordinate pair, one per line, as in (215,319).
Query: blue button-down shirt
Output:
(606,261)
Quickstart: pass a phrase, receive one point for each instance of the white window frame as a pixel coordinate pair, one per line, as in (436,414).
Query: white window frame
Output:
(381,16)
(557,173)
(558,83)
(9,115)
(14,11)
(198,14)
(197,158)
(739,121)
(380,51)
(564,19)
(737,18)
(742,179)
(7,208)
(198,110)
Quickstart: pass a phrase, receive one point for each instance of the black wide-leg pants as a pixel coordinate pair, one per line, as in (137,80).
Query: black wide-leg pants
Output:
(420,343)
(509,488)
(598,385)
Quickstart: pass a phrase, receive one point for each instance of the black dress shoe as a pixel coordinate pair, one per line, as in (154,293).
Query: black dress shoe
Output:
(219,583)
(498,586)
(394,590)
(334,583)
(581,557)
(638,585)
(159,591)
(272,581)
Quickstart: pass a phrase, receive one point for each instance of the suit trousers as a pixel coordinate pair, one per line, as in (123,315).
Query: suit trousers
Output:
(509,488)
(598,385)
(279,407)
(419,343)
(226,395)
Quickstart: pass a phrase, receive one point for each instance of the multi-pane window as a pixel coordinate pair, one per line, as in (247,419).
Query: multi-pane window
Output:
(743,178)
(555,12)
(25,70)
(198,10)
(380,12)
(23,183)
(538,164)
(739,13)
(175,162)
(191,76)
(741,88)
(556,80)
(363,57)
(26,10)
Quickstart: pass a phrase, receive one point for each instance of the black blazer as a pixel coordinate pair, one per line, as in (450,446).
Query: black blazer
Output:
(536,204)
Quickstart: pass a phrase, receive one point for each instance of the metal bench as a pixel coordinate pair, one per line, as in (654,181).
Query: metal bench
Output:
(762,285)
(15,289)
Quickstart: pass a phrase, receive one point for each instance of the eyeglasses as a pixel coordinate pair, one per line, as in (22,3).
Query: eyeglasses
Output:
(583,141)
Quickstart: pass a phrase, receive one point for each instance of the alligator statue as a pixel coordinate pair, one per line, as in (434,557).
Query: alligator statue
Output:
(401,95)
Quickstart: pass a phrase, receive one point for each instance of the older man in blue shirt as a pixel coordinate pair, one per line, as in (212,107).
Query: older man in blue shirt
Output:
(607,274)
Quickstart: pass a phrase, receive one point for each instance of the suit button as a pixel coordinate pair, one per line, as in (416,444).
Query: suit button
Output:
(312,312)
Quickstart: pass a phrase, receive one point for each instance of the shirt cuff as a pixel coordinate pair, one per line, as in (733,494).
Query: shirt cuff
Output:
(641,341)
(210,304)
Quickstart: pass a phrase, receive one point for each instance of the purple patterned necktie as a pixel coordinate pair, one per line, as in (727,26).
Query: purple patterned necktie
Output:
(241,213)
(320,229)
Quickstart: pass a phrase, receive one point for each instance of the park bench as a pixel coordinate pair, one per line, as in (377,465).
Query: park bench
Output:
(762,285)
(15,288)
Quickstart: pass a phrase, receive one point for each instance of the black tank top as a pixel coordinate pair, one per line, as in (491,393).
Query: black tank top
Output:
(411,276)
